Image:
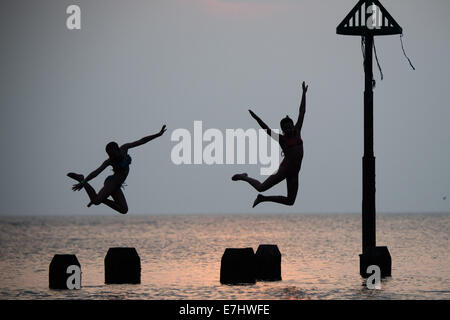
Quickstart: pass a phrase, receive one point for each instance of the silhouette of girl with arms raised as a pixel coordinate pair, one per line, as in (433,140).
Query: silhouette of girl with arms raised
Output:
(120,161)
(291,144)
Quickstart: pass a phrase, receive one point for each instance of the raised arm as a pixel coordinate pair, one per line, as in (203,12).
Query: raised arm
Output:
(261,123)
(144,140)
(301,114)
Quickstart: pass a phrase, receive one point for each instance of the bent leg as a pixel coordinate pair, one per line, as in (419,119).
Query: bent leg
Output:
(108,189)
(292,189)
(119,204)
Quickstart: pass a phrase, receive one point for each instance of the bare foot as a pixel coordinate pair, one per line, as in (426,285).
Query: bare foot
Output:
(258,199)
(239,176)
(75,176)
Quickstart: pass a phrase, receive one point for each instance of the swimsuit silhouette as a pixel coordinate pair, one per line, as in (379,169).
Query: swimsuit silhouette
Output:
(120,161)
(291,144)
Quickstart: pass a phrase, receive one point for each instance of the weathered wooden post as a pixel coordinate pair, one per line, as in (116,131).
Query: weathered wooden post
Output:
(238,266)
(64,272)
(268,263)
(369,19)
(122,265)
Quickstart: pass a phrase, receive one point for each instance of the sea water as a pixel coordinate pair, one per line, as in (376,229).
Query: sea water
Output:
(180,255)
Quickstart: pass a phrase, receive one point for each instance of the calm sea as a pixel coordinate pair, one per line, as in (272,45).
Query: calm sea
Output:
(180,255)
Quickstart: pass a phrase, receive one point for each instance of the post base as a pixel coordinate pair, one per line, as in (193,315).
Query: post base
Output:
(378,256)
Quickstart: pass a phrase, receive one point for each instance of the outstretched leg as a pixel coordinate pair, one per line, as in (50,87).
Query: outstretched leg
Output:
(89,190)
(292,189)
(264,186)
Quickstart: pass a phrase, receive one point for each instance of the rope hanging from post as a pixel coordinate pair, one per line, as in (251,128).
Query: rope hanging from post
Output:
(376,58)
(363,50)
(403,48)
(363,47)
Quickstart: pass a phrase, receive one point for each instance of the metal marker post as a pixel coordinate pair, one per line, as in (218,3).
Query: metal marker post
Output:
(369,19)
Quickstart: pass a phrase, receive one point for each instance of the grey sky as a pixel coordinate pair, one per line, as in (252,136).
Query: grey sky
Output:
(136,65)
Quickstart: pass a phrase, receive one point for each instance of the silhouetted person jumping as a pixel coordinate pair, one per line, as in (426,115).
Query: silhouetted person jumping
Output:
(292,145)
(120,161)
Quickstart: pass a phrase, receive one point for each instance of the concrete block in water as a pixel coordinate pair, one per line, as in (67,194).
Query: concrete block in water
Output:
(64,272)
(238,266)
(122,265)
(378,256)
(268,263)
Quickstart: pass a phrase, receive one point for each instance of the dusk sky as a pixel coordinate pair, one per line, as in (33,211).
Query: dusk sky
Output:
(136,65)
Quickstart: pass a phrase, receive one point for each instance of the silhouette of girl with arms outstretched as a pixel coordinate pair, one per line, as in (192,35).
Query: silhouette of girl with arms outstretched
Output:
(120,161)
(291,144)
